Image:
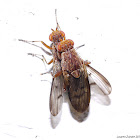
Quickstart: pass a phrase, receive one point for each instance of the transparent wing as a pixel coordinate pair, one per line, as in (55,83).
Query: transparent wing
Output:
(98,95)
(56,100)
(56,96)
(99,80)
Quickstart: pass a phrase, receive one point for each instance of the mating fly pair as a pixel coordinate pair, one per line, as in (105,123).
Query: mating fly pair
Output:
(73,75)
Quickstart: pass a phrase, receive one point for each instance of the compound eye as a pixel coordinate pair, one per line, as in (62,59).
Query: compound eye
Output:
(57,36)
(50,37)
(71,43)
(65,45)
(62,34)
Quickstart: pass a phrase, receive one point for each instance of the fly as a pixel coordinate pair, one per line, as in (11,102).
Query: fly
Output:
(73,74)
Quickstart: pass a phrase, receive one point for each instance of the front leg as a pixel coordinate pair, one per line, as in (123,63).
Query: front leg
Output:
(43,44)
(30,42)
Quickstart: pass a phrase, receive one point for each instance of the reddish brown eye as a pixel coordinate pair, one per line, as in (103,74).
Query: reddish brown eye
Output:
(71,42)
(50,37)
(62,33)
(57,36)
(65,45)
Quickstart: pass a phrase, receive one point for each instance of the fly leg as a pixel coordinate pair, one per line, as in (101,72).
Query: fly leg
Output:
(41,57)
(43,44)
(57,74)
(79,47)
(31,42)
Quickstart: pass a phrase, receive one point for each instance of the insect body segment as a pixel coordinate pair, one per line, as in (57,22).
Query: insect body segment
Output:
(71,62)
(76,80)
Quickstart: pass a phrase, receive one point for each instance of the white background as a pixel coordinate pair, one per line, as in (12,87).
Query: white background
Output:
(110,30)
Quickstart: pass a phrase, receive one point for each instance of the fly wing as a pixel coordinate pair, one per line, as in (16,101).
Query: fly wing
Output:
(79,92)
(56,96)
(98,95)
(100,80)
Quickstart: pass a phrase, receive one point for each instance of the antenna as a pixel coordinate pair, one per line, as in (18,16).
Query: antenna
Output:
(58,27)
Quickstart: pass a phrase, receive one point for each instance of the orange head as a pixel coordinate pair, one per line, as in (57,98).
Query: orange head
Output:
(65,45)
(57,36)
